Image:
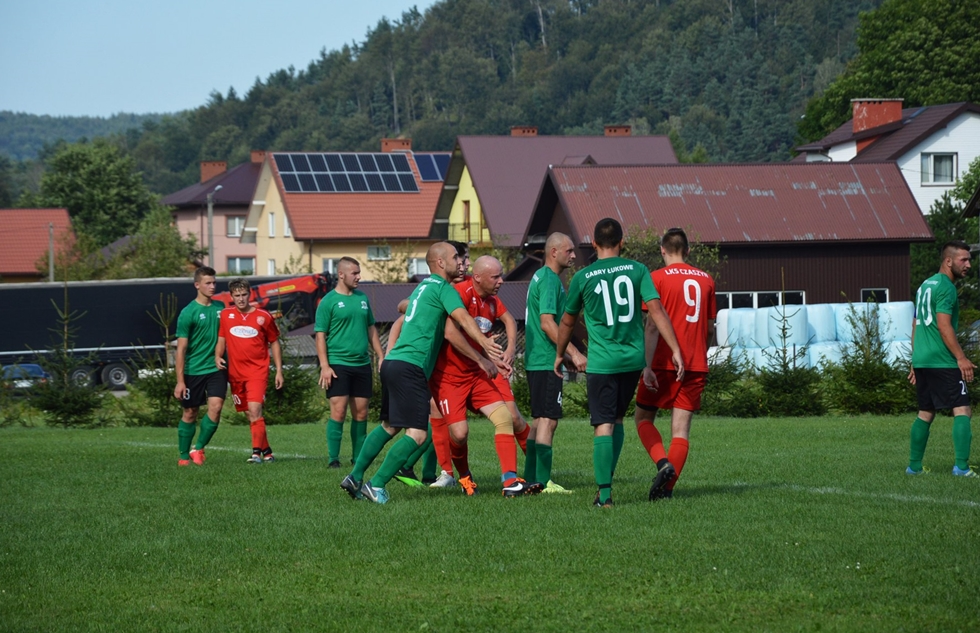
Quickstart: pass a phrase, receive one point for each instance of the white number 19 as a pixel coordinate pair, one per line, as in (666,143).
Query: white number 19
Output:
(602,288)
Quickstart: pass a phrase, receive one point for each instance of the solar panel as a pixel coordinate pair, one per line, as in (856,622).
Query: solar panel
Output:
(442,162)
(349,172)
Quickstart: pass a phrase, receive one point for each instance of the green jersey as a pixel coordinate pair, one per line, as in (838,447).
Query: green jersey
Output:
(545,295)
(610,293)
(425,322)
(199,325)
(936,294)
(345,320)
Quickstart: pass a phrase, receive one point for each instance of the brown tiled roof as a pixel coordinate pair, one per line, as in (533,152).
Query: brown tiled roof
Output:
(360,215)
(237,188)
(507,171)
(24,237)
(748,203)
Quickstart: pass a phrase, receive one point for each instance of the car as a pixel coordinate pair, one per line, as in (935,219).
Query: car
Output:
(19,379)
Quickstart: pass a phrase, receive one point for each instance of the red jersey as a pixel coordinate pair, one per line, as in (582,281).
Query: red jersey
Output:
(247,337)
(688,297)
(484,312)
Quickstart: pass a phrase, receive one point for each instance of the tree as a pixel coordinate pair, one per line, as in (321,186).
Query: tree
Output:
(101,188)
(947,223)
(969,183)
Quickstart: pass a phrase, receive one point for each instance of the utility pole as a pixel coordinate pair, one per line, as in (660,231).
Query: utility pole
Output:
(211,225)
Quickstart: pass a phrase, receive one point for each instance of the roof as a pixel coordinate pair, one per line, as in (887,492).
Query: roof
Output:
(507,171)
(237,188)
(361,215)
(385,297)
(897,138)
(25,237)
(740,204)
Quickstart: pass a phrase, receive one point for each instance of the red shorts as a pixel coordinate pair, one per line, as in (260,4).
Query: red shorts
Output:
(245,391)
(503,386)
(684,395)
(454,395)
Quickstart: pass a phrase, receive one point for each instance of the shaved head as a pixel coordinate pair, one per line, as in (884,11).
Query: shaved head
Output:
(486,264)
(559,252)
(555,240)
(488,275)
(442,260)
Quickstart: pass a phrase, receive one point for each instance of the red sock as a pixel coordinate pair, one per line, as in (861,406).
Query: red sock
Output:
(677,456)
(652,442)
(522,437)
(506,452)
(440,441)
(460,456)
(257,429)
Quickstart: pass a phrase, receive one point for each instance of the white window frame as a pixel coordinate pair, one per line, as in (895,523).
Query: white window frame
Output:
(237,222)
(928,166)
(287,231)
(418,266)
(330,265)
(878,293)
(755,296)
(237,268)
(379,253)
(270,267)
(272,224)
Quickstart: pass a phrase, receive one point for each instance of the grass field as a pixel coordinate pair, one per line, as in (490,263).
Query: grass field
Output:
(776,525)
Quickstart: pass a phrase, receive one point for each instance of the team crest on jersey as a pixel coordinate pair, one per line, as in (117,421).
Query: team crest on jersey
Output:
(261,320)
(364,305)
(231,315)
(340,304)
(484,324)
(244,331)
(203,316)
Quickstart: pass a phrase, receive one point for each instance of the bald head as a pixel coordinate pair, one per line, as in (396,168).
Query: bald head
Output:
(488,275)
(442,260)
(559,252)
(485,264)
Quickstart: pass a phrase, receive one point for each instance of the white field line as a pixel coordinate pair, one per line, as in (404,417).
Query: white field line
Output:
(222,448)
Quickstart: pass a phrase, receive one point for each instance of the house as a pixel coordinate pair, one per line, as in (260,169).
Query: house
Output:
(312,208)
(823,229)
(232,192)
(932,145)
(26,238)
(492,182)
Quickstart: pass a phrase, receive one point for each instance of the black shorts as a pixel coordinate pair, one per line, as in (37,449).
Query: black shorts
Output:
(408,395)
(383,413)
(610,395)
(940,389)
(545,389)
(200,388)
(353,381)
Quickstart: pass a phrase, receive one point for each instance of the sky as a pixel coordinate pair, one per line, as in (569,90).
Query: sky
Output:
(99,58)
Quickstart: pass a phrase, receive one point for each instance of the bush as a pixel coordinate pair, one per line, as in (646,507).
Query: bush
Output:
(787,386)
(300,401)
(731,390)
(151,401)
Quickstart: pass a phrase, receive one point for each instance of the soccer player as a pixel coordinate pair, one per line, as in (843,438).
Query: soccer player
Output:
(940,369)
(458,384)
(609,293)
(198,381)
(344,331)
(688,298)
(248,334)
(545,305)
(406,371)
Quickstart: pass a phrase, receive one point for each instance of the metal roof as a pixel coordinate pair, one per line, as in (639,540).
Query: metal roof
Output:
(742,203)
(24,239)
(237,188)
(507,171)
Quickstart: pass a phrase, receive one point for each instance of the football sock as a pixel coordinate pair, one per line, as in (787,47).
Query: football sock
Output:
(460,456)
(429,463)
(335,433)
(185,435)
(419,451)
(506,453)
(618,437)
(531,462)
(521,438)
(602,457)
(373,445)
(259,438)
(440,442)
(652,440)
(677,455)
(919,436)
(358,431)
(544,462)
(208,427)
(394,461)
(962,437)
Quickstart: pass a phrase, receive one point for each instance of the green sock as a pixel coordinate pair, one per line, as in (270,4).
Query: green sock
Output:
(602,458)
(335,433)
(962,437)
(419,451)
(618,437)
(917,444)
(531,463)
(544,462)
(394,460)
(185,435)
(429,463)
(208,427)
(358,431)
(373,444)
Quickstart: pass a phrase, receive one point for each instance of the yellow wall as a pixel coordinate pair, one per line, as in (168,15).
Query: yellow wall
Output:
(278,247)
(467,193)
(359,251)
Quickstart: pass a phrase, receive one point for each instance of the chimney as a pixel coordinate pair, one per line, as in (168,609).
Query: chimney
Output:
(212,168)
(871,113)
(618,130)
(523,130)
(258,155)
(396,145)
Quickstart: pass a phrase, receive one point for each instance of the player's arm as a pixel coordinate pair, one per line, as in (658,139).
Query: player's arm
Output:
(564,338)
(327,374)
(376,343)
(395,332)
(550,329)
(655,311)
(179,363)
(465,321)
(455,338)
(945,324)
(219,353)
(651,336)
(403,306)
(510,328)
(276,350)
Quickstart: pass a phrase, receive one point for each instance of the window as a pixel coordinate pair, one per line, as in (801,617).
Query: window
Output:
(875,295)
(272,224)
(287,230)
(330,265)
(938,169)
(763,299)
(271,267)
(236,224)
(378,253)
(418,266)
(241,265)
